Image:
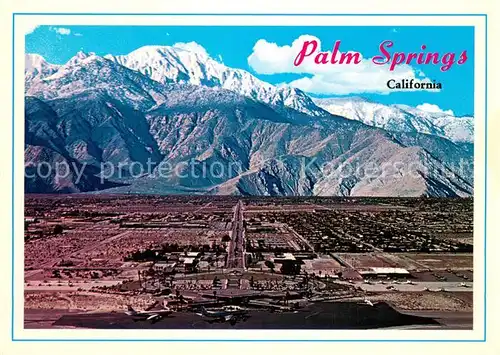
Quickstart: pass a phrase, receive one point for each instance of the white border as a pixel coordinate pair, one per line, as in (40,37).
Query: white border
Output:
(21,23)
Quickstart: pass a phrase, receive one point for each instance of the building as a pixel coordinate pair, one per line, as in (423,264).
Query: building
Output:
(172,257)
(167,267)
(190,264)
(385,272)
(280,258)
(289,264)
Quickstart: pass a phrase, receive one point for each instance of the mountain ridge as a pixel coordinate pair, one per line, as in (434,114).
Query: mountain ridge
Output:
(94,110)
(401,118)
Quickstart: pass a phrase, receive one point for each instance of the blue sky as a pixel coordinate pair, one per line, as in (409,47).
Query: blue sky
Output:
(234,45)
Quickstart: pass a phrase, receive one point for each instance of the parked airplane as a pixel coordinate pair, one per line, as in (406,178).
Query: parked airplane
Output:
(463,284)
(153,315)
(226,313)
(410,282)
(368,302)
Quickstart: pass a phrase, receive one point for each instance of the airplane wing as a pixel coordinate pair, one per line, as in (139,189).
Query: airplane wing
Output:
(153,316)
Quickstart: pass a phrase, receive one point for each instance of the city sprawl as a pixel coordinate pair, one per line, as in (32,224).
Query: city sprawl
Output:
(103,252)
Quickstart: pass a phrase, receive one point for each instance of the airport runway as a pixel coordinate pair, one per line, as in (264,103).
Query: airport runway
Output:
(337,315)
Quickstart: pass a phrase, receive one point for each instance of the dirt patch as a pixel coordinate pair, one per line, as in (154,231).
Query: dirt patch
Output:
(443,261)
(84,301)
(427,301)
(364,261)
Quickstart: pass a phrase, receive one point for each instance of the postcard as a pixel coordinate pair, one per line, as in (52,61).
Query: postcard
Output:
(236,177)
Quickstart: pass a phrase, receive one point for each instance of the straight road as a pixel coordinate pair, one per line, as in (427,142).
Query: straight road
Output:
(236,253)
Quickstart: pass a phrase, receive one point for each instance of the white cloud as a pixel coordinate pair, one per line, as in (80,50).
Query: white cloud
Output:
(434,109)
(341,79)
(192,47)
(30,29)
(61,30)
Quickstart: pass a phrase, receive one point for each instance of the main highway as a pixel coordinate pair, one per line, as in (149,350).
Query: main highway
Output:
(236,253)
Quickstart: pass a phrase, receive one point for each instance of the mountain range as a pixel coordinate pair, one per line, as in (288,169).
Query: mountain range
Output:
(401,118)
(207,128)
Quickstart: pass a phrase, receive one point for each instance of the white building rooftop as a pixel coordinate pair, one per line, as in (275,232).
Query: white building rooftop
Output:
(385,270)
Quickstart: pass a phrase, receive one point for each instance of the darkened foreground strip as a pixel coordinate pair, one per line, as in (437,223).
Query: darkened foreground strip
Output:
(345,315)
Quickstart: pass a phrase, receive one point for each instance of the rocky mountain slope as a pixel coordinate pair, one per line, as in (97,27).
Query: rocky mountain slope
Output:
(134,124)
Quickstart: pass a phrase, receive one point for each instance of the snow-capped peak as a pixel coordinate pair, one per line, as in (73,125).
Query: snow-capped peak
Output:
(401,118)
(36,68)
(192,47)
(80,57)
(34,62)
(189,63)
